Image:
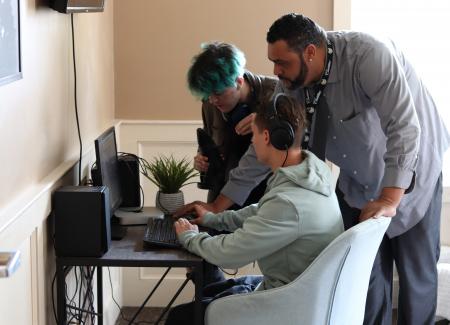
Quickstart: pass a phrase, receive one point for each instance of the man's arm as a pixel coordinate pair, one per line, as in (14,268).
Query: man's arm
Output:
(381,75)
(383,80)
(220,204)
(386,205)
(228,220)
(243,179)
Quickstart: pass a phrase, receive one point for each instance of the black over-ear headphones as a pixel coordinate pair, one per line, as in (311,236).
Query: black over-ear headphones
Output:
(280,131)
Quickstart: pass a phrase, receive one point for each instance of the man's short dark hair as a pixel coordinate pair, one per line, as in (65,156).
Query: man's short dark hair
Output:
(215,68)
(297,30)
(288,109)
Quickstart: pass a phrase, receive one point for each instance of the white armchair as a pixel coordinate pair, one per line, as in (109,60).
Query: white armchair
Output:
(331,291)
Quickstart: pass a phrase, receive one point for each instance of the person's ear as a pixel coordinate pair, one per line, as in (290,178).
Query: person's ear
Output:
(310,52)
(239,82)
(266,135)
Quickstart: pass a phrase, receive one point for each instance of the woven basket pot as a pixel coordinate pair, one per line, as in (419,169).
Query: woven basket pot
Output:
(169,202)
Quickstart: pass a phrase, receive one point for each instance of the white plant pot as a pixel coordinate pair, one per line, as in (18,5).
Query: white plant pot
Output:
(169,202)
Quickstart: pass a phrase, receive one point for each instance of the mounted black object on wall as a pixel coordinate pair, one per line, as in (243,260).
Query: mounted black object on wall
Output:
(77,6)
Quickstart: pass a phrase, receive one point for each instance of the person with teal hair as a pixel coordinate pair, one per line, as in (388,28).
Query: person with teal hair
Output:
(215,69)
(230,96)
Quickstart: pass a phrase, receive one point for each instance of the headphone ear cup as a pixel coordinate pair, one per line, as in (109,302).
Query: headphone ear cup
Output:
(281,135)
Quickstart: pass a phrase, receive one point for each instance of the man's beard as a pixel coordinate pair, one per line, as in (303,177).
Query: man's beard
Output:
(298,82)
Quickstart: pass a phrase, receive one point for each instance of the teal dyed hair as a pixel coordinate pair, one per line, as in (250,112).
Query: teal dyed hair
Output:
(215,68)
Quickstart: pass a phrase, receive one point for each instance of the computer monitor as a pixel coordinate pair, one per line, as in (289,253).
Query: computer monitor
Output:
(108,167)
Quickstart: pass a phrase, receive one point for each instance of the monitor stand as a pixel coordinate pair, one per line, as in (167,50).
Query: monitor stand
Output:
(140,218)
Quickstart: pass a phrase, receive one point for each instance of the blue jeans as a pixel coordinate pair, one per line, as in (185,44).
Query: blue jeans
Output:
(184,313)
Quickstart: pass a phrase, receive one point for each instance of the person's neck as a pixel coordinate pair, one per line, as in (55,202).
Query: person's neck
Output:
(245,93)
(294,157)
(319,68)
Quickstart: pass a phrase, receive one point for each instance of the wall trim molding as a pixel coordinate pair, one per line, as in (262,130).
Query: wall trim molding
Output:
(160,122)
(34,193)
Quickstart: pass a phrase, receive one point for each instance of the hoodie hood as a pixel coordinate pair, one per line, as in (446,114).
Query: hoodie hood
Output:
(312,174)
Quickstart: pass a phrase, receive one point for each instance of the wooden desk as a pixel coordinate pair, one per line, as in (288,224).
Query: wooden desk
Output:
(128,252)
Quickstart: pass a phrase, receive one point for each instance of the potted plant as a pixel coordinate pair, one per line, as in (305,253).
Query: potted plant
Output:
(169,175)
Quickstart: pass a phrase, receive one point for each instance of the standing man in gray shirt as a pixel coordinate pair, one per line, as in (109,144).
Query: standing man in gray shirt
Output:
(372,116)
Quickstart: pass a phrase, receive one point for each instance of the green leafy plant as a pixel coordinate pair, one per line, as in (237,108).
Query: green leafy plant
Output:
(168,173)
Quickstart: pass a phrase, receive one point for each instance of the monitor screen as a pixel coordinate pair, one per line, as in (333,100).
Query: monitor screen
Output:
(108,166)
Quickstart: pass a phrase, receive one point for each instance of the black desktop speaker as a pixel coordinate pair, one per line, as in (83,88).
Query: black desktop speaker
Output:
(129,180)
(82,221)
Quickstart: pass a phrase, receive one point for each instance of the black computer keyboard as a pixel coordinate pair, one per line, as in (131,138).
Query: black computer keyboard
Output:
(161,232)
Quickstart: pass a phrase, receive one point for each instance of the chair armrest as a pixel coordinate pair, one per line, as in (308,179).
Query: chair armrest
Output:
(287,307)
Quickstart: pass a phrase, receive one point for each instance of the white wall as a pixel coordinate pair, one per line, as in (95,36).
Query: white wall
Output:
(156,40)
(39,143)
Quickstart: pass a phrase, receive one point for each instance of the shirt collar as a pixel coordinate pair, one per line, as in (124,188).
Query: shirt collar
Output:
(334,73)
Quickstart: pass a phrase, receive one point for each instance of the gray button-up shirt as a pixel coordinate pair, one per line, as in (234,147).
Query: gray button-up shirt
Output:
(383,125)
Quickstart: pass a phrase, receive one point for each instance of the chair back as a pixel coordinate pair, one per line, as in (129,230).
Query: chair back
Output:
(331,291)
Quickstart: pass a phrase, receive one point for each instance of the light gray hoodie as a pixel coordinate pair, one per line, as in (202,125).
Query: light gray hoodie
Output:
(294,221)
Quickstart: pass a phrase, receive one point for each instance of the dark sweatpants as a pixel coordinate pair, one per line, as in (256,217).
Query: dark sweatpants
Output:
(184,313)
(415,253)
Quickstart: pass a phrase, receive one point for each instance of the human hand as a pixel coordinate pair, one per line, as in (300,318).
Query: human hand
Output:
(386,205)
(245,125)
(190,208)
(220,204)
(182,225)
(376,209)
(201,163)
(200,212)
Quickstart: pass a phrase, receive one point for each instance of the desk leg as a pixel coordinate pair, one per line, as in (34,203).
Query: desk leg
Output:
(61,293)
(199,294)
(100,295)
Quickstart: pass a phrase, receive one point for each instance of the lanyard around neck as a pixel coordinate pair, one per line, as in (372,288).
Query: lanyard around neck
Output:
(311,102)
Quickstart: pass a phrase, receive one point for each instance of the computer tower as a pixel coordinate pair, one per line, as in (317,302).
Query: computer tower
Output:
(82,221)
(129,181)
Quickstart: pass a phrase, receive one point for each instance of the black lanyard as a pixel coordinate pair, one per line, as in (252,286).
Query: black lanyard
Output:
(311,102)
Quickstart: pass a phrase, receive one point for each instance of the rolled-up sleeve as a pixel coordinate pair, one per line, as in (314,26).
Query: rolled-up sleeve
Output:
(383,80)
(245,177)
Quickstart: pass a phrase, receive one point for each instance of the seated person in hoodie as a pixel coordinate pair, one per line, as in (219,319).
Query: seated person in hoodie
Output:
(297,217)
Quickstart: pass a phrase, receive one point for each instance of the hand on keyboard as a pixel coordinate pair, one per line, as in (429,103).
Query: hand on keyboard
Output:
(191,208)
(161,232)
(182,225)
(200,211)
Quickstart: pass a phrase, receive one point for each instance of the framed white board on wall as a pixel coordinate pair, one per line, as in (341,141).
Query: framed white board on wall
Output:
(10,56)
